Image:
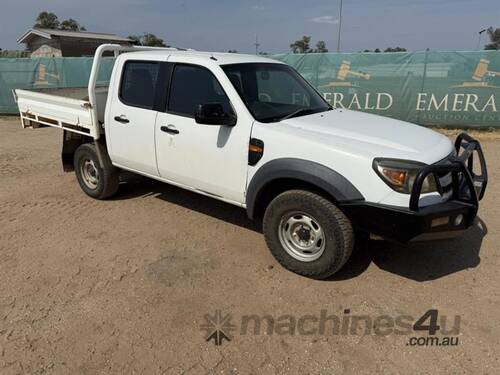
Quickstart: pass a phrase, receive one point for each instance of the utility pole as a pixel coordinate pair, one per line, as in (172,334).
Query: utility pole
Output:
(257,44)
(340,26)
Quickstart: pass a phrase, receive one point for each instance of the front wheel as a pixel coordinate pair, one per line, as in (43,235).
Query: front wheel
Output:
(96,180)
(308,234)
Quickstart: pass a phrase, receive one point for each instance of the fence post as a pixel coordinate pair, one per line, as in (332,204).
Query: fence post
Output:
(424,76)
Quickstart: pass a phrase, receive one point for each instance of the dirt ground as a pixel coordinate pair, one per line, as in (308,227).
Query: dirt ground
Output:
(123,286)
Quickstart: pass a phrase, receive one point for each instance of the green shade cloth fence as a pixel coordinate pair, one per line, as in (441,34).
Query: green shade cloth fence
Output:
(454,89)
(26,73)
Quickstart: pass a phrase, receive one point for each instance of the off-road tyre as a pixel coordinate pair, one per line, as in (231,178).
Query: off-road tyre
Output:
(108,176)
(336,228)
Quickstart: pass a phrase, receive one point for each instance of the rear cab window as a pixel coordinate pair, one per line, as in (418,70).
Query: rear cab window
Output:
(139,83)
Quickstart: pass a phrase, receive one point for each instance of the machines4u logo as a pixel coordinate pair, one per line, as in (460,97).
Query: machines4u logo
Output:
(430,329)
(218,327)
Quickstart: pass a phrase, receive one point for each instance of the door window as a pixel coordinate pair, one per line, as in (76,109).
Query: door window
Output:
(138,84)
(193,85)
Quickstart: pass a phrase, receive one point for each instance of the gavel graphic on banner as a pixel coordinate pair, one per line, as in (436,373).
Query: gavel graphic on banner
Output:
(482,70)
(345,70)
(43,74)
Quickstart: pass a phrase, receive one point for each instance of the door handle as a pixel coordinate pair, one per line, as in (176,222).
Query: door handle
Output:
(122,119)
(169,129)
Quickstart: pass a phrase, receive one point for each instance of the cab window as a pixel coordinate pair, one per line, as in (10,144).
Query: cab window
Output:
(193,85)
(138,83)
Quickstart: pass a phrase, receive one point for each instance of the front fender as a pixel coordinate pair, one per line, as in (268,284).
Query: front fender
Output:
(302,170)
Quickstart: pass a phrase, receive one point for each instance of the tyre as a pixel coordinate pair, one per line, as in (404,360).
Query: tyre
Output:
(96,180)
(308,234)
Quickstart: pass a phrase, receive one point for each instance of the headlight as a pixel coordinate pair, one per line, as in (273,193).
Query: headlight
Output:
(400,174)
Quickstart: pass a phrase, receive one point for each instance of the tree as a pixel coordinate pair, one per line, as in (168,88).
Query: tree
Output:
(136,39)
(494,35)
(14,54)
(147,39)
(301,45)
(377,50)
(71,25)
(151,40)
(321,47)
(397,49)
(47,20)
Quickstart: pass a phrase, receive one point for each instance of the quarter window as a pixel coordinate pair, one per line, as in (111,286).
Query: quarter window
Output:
(139,83)
(193,85)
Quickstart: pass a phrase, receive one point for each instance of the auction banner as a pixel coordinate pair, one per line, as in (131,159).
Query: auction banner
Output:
(449,89)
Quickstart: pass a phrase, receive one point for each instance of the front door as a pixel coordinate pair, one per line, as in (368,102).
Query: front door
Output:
(210,158)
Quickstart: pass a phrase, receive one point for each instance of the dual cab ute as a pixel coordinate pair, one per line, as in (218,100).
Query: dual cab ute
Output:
(252,132)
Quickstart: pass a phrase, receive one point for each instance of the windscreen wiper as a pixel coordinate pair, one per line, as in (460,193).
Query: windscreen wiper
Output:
(302,112)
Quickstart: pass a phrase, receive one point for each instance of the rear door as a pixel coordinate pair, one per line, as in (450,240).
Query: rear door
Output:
(131,121)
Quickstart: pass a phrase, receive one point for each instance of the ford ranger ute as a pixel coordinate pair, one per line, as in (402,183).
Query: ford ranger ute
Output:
(252,132)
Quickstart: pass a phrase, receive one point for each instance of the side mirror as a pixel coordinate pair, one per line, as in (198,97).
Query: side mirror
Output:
(214,114)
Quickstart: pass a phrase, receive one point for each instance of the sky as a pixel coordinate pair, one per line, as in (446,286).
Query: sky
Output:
(220,25)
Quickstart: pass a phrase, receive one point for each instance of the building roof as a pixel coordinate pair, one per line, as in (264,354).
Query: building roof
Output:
(49,33)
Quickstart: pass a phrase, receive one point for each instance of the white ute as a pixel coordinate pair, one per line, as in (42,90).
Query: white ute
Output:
(252,132)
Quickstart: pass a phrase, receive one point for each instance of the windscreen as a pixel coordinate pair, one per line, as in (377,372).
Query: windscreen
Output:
(273,92)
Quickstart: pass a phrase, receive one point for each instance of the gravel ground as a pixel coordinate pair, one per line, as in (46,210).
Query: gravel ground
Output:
(123,286)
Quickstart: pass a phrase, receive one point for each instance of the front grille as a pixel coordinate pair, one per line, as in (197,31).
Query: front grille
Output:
(445,180)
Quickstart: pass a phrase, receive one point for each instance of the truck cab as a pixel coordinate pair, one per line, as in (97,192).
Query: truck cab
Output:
(152,126)
(252,132)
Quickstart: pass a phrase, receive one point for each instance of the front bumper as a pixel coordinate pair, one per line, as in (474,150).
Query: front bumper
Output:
(445,219)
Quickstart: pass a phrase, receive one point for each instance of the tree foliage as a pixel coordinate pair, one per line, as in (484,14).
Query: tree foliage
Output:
(302,46)
(136,39)
(397,49)
(321,47)
(49,20)
(494,35)
(152,40)
(389,49)
(14,54)
(71,25)
(147,39)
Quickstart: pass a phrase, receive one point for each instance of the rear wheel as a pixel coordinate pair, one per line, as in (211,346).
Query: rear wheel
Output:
(96,180)
(308,234)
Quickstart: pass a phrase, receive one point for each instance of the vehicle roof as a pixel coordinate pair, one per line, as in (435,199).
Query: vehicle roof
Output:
(204,57)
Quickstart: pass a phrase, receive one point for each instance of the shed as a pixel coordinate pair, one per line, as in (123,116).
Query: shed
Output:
(64,43)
